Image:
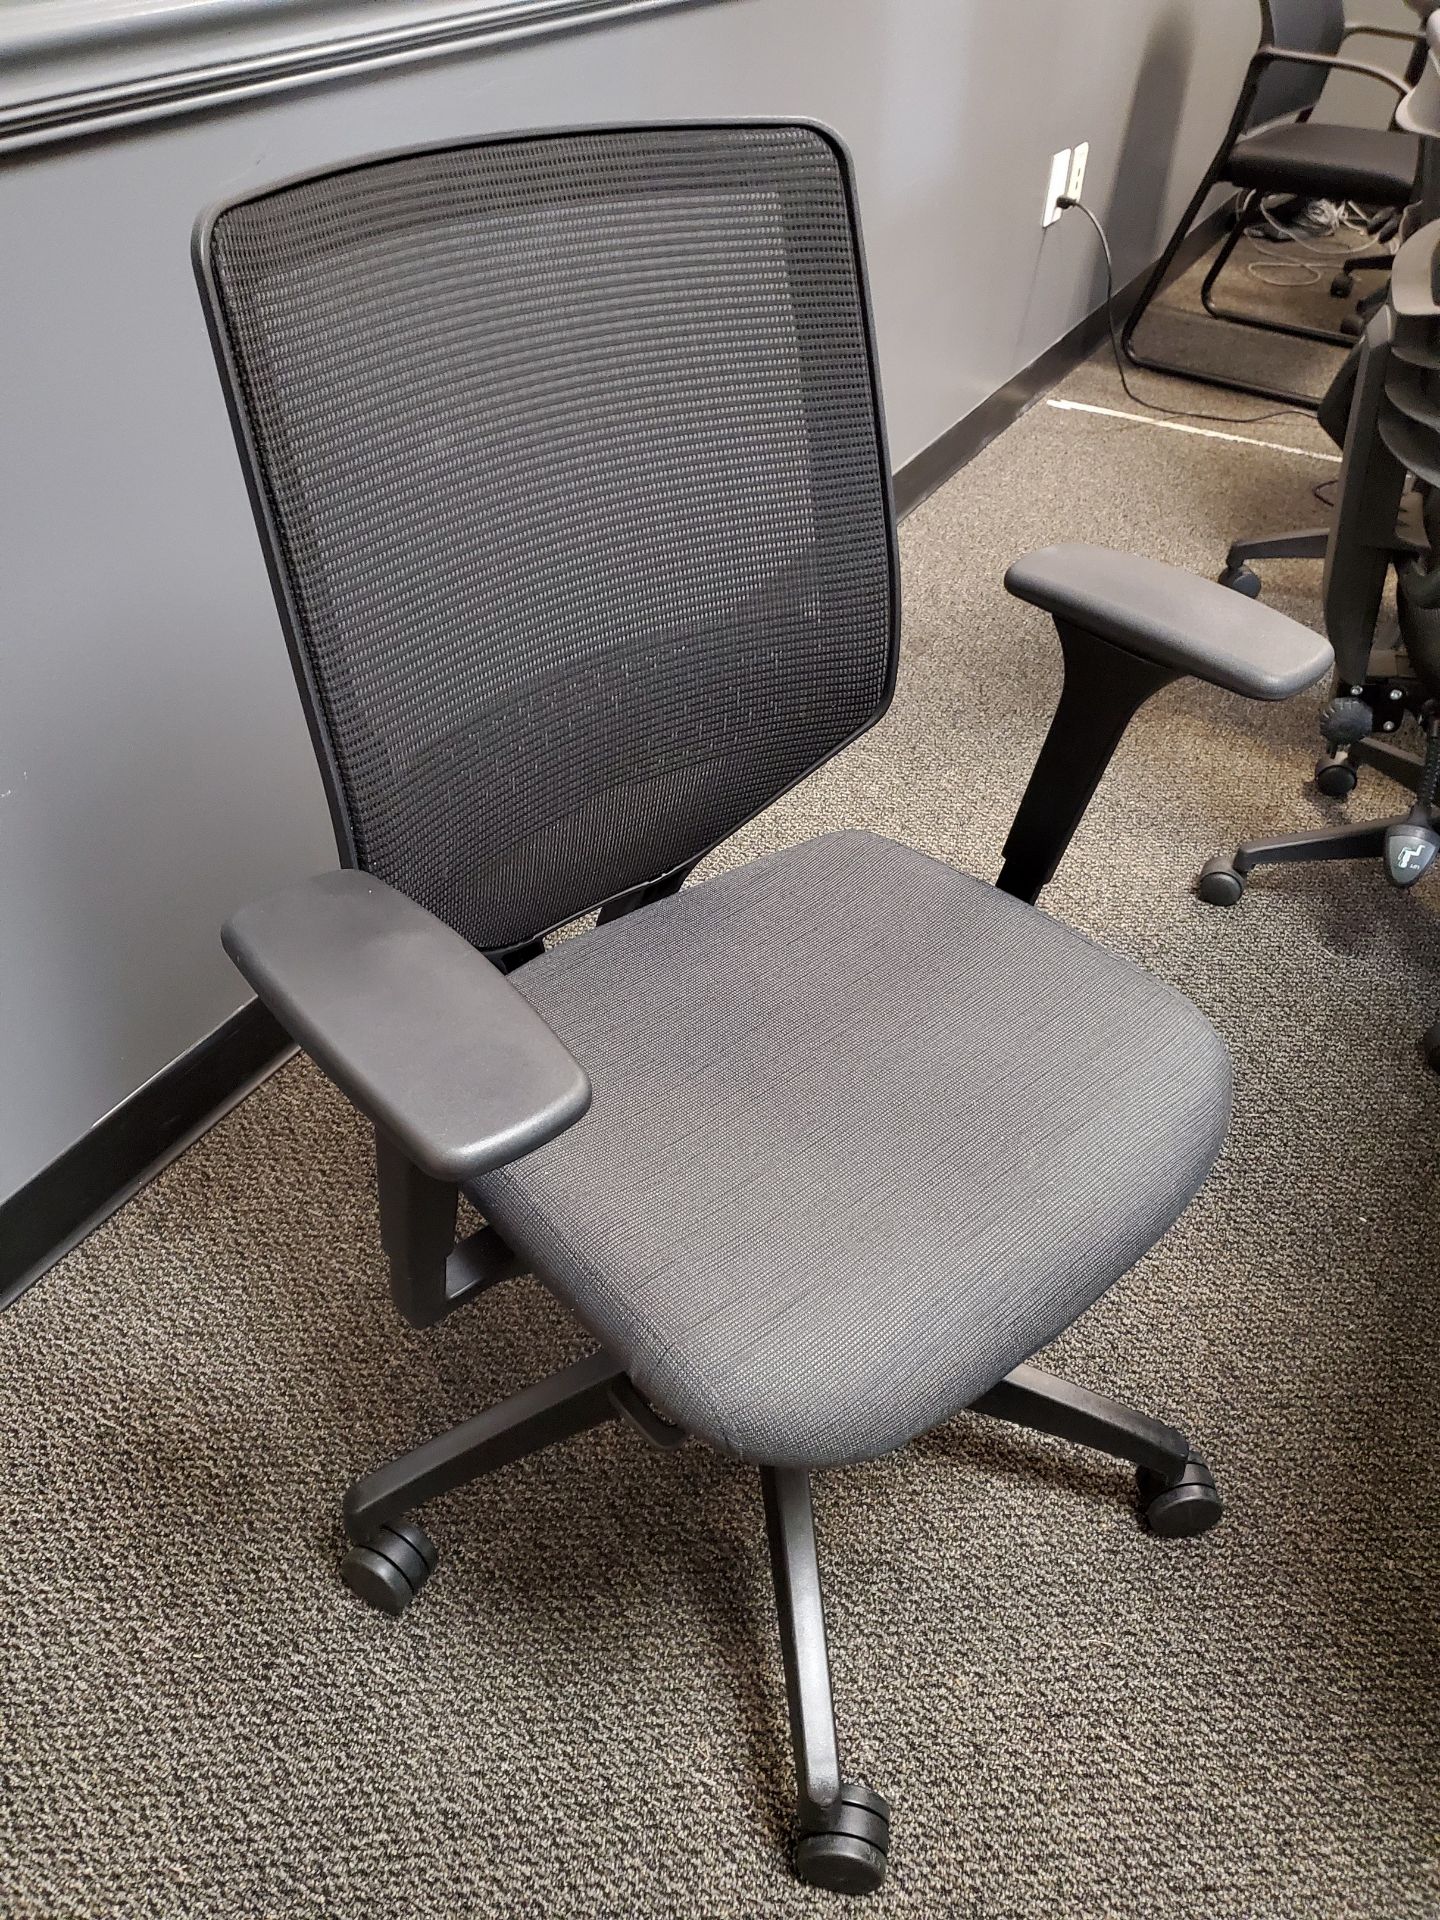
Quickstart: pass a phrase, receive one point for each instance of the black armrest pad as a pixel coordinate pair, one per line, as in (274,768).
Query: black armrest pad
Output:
(421,1031)
(1175,618)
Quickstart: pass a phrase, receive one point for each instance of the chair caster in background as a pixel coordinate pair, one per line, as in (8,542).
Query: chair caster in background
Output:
(1180,1509)
(849,1853)
(1241,580)
(1336,775)
(1220,884)
(389,1569)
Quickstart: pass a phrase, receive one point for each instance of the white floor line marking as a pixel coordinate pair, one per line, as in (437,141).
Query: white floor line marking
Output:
(1180,426)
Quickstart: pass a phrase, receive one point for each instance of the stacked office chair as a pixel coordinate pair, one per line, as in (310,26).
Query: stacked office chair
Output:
(1388,225)
(1303,543)
(568,461)
(1273,146)
(1386,670)
(1419,114)
(1357,548)
(1371,670)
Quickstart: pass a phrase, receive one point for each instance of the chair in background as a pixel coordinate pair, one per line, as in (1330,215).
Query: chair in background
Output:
(1302,543)
(567,456)
(1419,114)
(1273,146)
(1386,671)
(1357,547)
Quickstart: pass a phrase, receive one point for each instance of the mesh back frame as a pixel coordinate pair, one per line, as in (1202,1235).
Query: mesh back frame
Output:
(568,454)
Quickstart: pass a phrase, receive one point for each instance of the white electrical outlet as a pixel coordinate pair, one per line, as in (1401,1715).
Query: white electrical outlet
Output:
(1059,182)
(1076,182)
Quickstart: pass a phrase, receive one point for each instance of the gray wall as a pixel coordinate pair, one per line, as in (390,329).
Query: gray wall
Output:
(154,770)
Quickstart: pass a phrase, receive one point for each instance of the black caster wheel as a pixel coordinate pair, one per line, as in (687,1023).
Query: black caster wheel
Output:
(1242,580)
(1342,286)
(390,1568)
(1219,883)
(1335,776)
(1431,1044)
(850,1852)
(1180,1509)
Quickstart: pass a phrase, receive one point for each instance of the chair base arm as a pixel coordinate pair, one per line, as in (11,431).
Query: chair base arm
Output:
(569,1402)
(1044,1403)
(1177,1493)
(844,1838)
(1304,543)
(1397,763)
(1222,880)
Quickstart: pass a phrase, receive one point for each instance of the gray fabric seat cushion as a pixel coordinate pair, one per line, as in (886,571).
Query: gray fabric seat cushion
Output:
(865,1134)
(1329,162)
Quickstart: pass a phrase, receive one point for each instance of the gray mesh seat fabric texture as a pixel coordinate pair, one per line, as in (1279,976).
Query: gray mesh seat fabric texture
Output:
(866,1133)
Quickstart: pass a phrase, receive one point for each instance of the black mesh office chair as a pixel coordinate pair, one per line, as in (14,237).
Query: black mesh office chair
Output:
(1272,146)
(568,459)
(1386,669)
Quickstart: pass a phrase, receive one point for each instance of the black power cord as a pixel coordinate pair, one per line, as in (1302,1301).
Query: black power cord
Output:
(1180,413)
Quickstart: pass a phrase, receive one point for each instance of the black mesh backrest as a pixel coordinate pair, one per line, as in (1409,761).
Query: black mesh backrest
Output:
(571,462)
(1302,26)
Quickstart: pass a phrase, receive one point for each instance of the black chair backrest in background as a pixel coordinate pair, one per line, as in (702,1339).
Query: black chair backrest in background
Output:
(1393,435)
(1409,429)
(1360,550)
(1300,26)
(570,462)
(1417,113)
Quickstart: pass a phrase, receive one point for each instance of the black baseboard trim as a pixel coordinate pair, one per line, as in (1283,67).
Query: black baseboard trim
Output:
(88,1182)
(936,464)
(66,1200)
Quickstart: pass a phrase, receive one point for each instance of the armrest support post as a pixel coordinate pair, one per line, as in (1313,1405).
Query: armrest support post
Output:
(430,1272)
(1127,627)
(417,1231)
(454,1068)
(1103,690)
